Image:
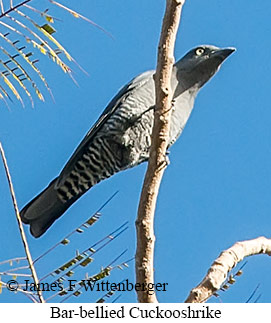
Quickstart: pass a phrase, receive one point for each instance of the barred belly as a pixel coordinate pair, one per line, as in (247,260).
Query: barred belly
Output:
(100,160)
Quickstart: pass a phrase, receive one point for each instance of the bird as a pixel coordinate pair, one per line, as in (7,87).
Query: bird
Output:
(121,137)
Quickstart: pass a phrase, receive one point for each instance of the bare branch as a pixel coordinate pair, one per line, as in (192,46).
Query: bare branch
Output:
(17,259)
(157,160)
(227,260)
(21,229)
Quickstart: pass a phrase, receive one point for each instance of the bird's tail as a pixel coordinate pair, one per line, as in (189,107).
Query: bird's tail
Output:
(43,210)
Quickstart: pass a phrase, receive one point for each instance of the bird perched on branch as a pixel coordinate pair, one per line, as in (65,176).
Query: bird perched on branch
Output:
(121,137)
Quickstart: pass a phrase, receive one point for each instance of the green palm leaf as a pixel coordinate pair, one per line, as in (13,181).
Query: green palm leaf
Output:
(22,23)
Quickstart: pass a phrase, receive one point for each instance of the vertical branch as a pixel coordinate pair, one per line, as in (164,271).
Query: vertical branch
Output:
(21,229)
(157,160)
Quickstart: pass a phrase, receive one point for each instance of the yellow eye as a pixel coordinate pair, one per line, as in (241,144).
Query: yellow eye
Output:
(199,51)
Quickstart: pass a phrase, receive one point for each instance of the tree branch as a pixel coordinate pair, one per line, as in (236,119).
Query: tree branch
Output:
(157,160)
(21,229)
(227,260)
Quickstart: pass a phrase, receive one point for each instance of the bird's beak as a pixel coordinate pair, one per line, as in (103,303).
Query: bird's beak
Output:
(223,53)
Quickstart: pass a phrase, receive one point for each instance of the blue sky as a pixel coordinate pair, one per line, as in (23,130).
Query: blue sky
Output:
(216,190)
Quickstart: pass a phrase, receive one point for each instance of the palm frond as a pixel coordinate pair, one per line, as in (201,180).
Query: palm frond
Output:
(23,25)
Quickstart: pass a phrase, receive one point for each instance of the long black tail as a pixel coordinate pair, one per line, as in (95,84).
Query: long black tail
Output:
(43,210)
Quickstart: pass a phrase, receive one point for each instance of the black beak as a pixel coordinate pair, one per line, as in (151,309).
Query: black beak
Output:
(223,53)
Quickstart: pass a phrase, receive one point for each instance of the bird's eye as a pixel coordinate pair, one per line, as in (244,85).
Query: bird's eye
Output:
(199,51)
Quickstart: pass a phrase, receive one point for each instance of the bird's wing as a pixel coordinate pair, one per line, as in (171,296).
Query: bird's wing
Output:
(118,100)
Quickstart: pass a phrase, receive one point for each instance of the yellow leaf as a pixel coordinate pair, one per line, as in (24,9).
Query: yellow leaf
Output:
(50,19)
(77,293)
(85,262)
(15,93)
(39,94)
(49,29)
(65,241)
(75,14)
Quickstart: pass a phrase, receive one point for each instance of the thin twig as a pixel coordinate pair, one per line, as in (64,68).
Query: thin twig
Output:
(5,273)
(4,13)
(12,260)
(42,13)
(21,229)
(16,268)
(157,159)
(253,293)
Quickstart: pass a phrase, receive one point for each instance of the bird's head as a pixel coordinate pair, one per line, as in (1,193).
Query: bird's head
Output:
(200,64)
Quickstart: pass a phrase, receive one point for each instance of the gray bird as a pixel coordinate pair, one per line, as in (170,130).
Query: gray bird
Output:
(121,137)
